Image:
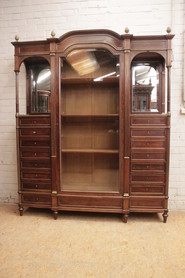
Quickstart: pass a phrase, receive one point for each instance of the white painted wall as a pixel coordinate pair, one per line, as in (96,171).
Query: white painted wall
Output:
(34,20)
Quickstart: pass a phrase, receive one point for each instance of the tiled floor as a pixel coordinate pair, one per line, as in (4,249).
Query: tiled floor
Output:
(90,245)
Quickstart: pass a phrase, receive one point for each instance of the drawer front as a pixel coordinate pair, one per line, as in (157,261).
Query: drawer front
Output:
(35,131)
(146,203)
(34,143)
(145,178)
(148,155)
(27,175)
(150,189)
(148,121)
(35,164)
(149,144)
(35,186)
(152,166)
(35,153)
(148,132)
(90,202)
(39,199)
(34,120)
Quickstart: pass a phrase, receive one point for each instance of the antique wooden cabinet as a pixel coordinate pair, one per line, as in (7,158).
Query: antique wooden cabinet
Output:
(93,122)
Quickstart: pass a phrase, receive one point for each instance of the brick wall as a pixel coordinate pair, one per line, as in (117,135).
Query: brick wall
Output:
(34,20)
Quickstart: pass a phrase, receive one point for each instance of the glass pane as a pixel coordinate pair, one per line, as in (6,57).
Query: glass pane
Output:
(90,121)
(145,88)
(90,172)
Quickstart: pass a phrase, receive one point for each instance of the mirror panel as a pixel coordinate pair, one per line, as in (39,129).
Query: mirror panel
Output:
(34,78)
(145,88)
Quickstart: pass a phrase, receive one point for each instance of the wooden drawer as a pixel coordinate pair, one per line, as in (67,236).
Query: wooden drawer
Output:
(37,175)
(148,121)
(35,185)
(146,177)
(35,131)
(34,120)
(35,164)
(148,143)
(151,166)
(148,155)
(39,199)
(90,202)
(35,153)
(148,132)
(146,203)
(148,189)
(34,143)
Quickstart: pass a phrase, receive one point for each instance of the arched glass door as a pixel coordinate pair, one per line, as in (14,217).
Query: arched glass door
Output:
(89,111)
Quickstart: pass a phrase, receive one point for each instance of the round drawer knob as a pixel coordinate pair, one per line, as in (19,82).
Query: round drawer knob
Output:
(147,155)
(34,132)
(35,154)
(148,132)
(35,164)
(35,143)
(147,167)
(36,186)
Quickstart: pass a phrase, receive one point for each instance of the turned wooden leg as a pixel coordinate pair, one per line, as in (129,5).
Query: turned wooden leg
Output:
(165,216)
(55,215)
(125,218)
(21,211)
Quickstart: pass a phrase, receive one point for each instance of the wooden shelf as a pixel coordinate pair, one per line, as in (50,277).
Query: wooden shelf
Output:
(93,187)
(77,80)
(91,116)
(100,151)
(88,118)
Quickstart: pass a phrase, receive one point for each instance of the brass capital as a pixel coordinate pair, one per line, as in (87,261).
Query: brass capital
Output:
(125,195)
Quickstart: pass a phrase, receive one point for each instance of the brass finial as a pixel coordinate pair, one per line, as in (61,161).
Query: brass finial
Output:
(53,33)
(126,30)
(16,38)
(168,30)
